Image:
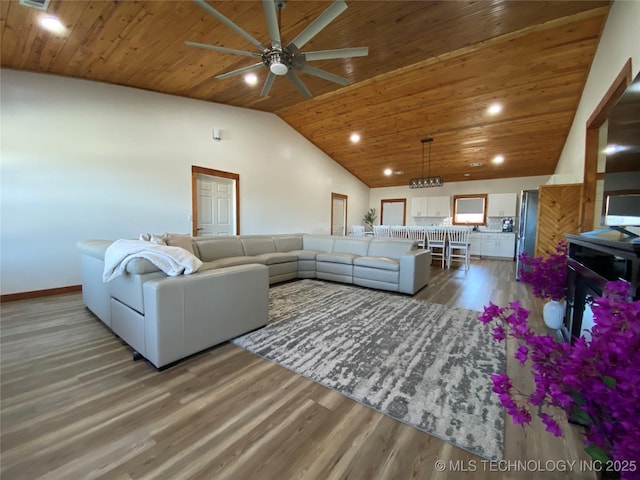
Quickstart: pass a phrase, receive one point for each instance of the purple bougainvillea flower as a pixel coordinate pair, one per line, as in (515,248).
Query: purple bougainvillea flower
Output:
(595,382)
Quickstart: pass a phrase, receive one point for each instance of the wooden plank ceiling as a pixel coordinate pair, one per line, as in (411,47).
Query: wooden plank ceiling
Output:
(433,69)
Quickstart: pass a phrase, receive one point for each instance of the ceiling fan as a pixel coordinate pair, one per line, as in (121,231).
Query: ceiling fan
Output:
(283,59)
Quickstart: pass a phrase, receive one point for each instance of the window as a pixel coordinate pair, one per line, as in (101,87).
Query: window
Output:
(470,209)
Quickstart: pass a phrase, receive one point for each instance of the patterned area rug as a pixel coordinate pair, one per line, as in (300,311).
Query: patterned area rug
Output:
(423,364)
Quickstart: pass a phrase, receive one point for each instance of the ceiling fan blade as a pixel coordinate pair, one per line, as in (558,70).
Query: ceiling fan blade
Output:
(272,22)
(340,53)
(323,74)
(222,49)
(318,24)
(240,71)
(266,88)
(205,6)
(299,85)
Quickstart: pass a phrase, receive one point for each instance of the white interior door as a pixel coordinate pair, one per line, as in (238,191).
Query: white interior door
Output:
(338,214)
(216,206)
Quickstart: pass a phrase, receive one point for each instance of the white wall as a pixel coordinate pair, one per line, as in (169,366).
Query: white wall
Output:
(620,41)
(84,160)
(509,185)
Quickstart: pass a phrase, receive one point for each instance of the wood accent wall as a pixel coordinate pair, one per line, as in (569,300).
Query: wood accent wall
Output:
(559,212)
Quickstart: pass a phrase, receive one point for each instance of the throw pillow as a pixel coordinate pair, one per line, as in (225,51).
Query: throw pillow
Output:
(153,238)
(182,240)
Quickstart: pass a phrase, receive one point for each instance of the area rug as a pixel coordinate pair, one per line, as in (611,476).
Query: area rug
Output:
(424,364)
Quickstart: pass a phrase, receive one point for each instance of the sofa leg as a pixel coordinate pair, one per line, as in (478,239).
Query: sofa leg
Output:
(137,356)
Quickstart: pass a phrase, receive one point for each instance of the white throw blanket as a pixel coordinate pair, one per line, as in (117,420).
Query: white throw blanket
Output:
(171,260)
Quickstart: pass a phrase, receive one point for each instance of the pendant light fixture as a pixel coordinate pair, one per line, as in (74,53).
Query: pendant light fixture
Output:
(428,181)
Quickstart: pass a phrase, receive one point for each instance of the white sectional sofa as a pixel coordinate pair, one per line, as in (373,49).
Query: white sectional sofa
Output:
(165,319)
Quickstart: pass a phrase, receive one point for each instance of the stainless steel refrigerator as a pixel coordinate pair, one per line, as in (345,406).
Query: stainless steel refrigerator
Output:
(526,236)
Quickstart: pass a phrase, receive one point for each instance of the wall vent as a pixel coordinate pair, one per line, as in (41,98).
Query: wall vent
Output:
(39,4)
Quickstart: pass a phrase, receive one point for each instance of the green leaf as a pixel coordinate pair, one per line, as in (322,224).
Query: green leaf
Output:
(597,453)
(609,381)
(578,398)
(580,417)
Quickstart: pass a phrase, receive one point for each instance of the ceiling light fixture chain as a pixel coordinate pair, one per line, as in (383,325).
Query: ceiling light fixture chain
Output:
(427,181)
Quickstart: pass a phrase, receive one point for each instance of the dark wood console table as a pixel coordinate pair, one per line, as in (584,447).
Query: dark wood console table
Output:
(596,258)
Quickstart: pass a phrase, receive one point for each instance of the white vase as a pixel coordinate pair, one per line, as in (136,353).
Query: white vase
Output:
(553,314)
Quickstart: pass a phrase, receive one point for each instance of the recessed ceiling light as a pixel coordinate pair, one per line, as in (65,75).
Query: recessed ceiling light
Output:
(51,23)
(498,159)
(251,79)
(355,138)
(467,174)
(388,171)
(494,109)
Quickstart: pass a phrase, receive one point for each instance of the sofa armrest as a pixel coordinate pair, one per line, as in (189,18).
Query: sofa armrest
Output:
(415,271)
(188,314)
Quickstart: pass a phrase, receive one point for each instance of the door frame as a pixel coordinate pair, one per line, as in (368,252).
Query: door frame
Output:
(394,200)
(195,171)
(595,121)
(341,196)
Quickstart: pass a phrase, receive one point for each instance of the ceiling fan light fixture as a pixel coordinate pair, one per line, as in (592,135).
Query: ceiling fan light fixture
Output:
(276,65)
(283,60)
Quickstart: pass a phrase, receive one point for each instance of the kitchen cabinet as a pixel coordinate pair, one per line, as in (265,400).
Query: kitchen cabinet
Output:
(431,206)
(475,241)
(419,206)
(495,245)
(438,206)
(502,205)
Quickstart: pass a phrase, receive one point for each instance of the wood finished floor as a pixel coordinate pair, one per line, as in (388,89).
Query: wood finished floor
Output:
(75,406)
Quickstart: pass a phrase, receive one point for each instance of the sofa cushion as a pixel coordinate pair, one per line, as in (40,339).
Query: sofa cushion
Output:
(390,248)
(345,258)
(140,266)
(354,246)
(306,254)
(382,263)
(277,257)
(287,243)
(376,274)
(258,245)
(229,262)
(216,248)
(94,248)
(322,243)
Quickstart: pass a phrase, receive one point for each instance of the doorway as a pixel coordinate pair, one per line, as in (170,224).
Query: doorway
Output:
(393,211)
(338,214)
(214,202)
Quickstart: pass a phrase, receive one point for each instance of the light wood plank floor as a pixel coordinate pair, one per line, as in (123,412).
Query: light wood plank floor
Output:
(75,406)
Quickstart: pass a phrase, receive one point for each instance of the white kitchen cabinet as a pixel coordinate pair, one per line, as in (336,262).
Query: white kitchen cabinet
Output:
(438,206)
(494,245)
(430,206)
(419,206)
(502,205)
(507,244)
(490,245)
(498,245)
(475,242)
